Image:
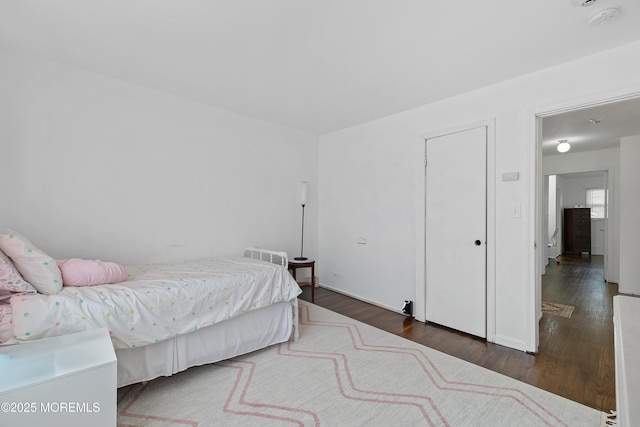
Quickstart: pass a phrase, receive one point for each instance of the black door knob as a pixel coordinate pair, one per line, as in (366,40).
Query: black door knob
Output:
(478,242)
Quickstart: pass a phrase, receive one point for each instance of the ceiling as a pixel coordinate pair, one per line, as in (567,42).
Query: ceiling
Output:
(592,128)
(315,66)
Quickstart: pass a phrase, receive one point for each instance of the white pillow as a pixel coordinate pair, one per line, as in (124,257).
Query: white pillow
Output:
(36,267)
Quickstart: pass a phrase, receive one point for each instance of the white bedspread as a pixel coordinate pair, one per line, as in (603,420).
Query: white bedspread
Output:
(157,302)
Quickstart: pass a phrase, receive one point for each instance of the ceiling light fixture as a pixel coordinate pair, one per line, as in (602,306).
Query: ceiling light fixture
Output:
(563,146)
(603,16)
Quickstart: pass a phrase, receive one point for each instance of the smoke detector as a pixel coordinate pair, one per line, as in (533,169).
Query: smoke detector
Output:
(583,3)
(603,16)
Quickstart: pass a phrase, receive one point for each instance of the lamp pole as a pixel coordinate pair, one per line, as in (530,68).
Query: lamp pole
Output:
(301,257)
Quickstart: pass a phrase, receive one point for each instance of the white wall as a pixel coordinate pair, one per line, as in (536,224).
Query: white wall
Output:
(551,205)
(370,177)
(629,208)
(551,185)
(98,168)
(574,189)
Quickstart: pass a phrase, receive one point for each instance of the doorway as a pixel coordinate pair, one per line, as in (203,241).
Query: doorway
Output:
(594,130)
(577,190)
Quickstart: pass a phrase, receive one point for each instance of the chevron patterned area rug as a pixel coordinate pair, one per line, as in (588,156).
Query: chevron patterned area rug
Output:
(344,373)
(556,309)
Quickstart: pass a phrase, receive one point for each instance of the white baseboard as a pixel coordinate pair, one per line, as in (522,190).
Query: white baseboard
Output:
(339,291)
(509,342)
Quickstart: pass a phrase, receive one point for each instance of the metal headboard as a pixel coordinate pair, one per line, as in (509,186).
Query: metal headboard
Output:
(274,257)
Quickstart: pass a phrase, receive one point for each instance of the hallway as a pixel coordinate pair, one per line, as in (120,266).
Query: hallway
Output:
(583,344)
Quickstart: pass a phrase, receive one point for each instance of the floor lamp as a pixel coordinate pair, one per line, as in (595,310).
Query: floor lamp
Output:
(303,202)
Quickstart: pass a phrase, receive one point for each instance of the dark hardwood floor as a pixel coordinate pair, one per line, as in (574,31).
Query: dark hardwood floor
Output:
(576,355)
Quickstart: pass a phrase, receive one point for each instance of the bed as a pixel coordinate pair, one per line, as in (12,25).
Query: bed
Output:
(166,318)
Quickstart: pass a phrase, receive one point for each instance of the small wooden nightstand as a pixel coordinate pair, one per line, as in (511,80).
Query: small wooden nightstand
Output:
(309,263)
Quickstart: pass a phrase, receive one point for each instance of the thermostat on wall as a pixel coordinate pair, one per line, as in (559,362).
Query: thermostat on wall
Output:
(510,176)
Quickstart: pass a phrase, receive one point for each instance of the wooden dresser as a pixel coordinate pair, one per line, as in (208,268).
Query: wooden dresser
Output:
(576,230)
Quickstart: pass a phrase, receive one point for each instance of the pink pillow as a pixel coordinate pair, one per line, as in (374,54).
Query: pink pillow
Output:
(84,272)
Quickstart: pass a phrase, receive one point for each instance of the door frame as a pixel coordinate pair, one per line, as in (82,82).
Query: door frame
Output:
(420,167)
(536,230)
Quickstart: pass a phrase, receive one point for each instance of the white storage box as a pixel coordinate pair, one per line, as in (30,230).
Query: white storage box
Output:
(62,381)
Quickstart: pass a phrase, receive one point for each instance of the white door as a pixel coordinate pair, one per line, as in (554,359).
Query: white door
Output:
(597,236)
(456,228)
